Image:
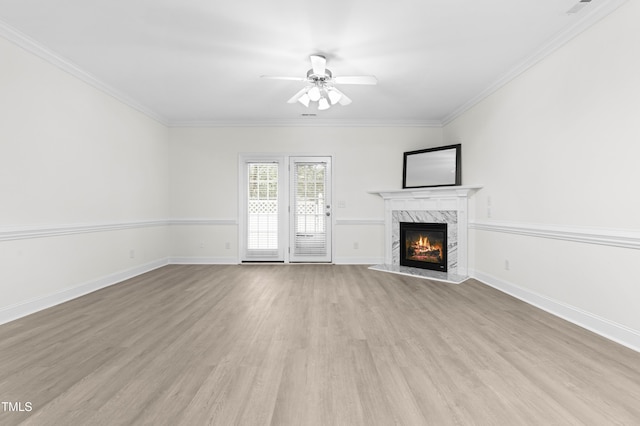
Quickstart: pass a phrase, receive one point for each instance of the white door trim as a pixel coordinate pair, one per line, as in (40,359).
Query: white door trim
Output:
(283,238)
(326,209)
(284,159)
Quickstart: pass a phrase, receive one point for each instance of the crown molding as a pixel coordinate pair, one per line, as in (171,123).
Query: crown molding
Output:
(308,122)
(30,45)
(590,16)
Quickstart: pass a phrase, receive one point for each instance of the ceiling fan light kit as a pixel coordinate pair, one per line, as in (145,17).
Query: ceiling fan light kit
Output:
(334,95)
(320,86)
(314,93)
(304,100)
(323,104)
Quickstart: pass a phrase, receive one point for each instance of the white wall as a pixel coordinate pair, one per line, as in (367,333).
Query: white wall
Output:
(83,181)
(557,150)
(204,176)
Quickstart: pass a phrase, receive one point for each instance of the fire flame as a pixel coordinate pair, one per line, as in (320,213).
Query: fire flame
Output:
(422,246)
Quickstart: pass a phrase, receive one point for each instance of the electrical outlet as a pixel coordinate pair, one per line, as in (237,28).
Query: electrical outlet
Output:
(506,265)
(132,253)
(356,246)
(227,245)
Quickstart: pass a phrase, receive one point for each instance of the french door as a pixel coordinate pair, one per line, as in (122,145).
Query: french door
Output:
(310,209)
(286,209)
(264,210)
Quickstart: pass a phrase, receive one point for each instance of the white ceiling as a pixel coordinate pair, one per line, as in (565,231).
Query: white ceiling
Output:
(199,62)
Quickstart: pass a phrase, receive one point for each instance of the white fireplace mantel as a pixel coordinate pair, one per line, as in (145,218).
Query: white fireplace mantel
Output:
(433,192)
(445,201)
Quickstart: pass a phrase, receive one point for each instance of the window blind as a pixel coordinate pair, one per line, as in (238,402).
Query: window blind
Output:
(262,207)
(309,182)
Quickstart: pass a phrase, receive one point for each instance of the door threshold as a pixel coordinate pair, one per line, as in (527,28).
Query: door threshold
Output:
(269,262)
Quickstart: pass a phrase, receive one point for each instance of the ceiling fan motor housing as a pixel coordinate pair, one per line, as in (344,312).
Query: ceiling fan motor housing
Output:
(315,78)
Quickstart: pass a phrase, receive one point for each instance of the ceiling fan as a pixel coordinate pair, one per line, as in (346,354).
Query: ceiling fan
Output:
(321,85)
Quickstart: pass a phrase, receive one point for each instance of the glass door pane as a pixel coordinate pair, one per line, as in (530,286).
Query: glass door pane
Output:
(310,209)
(263,228)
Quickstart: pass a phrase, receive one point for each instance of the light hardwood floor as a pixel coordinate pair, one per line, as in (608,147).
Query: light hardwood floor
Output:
(309,345)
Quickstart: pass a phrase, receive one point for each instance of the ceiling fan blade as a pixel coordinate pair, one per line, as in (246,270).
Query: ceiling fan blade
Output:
(319,64)
(298,95)
(334,95)
(344,100)
(276,77)
(356,79)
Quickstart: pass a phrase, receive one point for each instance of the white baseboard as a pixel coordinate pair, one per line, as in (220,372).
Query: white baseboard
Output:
(185,260)
(358,260)
(611,330)
(28,307)
(235,261)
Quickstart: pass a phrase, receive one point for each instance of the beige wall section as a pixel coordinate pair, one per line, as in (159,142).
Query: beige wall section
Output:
(71,153)
(559,145)
(204,177)
(38,268)
(213,243)
(71,156)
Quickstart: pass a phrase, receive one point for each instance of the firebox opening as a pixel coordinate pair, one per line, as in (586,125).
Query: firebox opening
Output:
(424,245)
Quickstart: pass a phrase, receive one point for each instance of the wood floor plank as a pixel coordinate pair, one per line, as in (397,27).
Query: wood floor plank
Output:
(308,345)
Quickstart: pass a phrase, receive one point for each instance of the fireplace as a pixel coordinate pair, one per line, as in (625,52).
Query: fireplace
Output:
(439,205)
(424,245)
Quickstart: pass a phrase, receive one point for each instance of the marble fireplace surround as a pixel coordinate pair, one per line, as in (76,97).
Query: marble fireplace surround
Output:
(437,205)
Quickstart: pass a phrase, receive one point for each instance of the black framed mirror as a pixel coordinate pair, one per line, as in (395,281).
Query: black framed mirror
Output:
(439,166)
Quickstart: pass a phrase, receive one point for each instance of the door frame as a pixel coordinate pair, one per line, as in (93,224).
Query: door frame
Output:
(293,159)
(283,183)
(283,231)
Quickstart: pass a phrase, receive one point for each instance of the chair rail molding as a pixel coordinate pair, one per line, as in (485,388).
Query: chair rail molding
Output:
(43,231)
(625,238)
(202,222)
